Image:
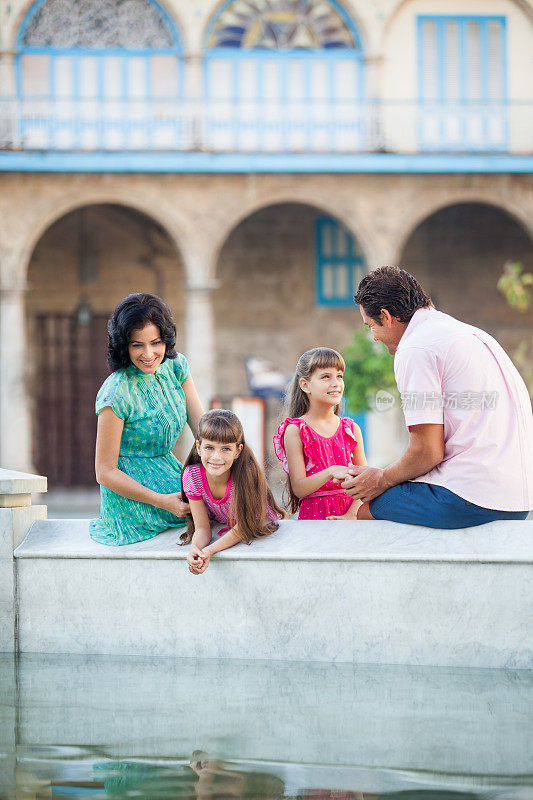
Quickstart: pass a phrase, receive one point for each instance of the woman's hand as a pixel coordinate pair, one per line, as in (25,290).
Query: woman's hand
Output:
(174,504)
(197,560)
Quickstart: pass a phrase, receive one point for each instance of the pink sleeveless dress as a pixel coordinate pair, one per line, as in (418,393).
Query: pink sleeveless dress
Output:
(321,452)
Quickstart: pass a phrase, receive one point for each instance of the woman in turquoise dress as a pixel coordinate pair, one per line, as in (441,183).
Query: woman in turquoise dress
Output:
(142,408)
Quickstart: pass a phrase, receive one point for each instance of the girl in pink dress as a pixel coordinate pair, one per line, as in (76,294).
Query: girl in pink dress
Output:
(223,482)
(316,445)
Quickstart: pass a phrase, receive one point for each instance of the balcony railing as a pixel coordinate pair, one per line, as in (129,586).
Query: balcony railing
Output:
(225,126)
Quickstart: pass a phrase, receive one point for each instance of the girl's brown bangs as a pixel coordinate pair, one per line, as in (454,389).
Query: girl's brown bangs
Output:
(218,430)
(325,358)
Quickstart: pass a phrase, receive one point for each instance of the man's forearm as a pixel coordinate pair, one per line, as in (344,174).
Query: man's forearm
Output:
(425,451)
(413,464)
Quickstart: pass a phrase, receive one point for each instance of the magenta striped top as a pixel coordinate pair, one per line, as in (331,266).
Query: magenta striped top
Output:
(194,482)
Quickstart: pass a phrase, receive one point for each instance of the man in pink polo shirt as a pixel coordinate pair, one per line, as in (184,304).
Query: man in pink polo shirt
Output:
(468,412)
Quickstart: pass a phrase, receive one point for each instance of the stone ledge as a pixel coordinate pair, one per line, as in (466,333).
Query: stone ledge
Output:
(366,592)
(13,482)
(496,542)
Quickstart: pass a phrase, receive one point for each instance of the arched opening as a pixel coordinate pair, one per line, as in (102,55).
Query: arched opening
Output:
(286,277)
(81,267)
(458,253)
(268,302)
(284,76)
(98,76)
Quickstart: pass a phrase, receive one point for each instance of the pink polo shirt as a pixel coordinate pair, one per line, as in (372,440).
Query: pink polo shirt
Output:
(457,375)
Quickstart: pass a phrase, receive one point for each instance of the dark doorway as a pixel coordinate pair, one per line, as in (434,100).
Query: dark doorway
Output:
(459,252)
(71,366)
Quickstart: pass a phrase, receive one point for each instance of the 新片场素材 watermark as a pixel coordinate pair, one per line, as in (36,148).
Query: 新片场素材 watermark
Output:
(468,400)
(384,400)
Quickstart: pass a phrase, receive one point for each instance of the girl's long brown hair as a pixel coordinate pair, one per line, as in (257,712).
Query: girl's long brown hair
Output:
(251,496)
(297,401)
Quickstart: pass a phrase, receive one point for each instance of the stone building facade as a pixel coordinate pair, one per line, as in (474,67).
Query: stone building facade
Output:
(223,220)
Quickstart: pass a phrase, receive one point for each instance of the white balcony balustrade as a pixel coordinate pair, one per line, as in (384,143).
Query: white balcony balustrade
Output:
(263,126)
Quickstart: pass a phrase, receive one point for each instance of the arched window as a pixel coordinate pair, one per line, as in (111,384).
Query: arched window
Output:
(98,74)
(284,75)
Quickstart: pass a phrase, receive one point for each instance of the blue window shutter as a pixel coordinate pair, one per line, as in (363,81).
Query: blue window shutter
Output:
(462,83)
(339,264)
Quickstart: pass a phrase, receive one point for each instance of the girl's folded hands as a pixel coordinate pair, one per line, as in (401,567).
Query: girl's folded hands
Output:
(197,560)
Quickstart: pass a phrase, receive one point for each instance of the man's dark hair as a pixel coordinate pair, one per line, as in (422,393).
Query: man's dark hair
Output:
(131,314)
(391,288)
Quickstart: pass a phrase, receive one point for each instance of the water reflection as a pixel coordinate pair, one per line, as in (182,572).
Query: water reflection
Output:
(207,779)
(154,728)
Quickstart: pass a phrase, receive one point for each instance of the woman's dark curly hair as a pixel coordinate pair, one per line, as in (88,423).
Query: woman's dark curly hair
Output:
(132,314)
(394,289)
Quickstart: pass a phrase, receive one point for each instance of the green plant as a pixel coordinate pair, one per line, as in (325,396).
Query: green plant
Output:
(523,359)
(512,284)
(369,368)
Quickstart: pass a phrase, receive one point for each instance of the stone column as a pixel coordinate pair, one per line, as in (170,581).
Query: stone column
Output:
(16,516)
(8,726)
(200,337)
(15,420)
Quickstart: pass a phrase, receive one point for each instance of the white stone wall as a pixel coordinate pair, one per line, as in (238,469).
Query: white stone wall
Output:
(368,592)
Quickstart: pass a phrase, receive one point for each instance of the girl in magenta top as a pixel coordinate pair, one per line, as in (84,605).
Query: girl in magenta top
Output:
(223,482)
(316,445)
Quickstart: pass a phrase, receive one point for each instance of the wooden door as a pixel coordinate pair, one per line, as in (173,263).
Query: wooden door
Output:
(71,366)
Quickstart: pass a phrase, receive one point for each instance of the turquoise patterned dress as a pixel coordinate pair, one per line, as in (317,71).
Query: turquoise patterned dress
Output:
(154,411)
